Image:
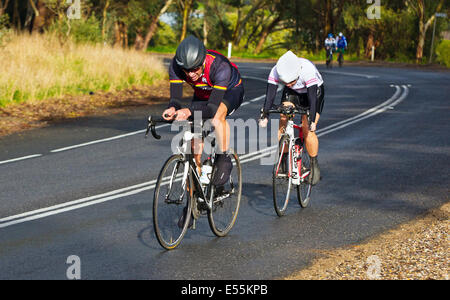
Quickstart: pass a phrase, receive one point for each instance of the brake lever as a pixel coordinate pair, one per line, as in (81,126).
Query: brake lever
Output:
(151,126)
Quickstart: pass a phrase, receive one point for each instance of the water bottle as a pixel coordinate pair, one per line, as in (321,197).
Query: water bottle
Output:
(206,171)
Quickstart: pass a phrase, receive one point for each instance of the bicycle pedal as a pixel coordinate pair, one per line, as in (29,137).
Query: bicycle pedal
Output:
(222,197)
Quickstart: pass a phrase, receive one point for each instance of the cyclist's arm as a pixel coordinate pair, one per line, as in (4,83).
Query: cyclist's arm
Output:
(176,86)
(271,92)
(312,99)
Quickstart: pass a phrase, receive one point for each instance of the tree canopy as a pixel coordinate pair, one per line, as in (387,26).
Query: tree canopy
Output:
(402,30)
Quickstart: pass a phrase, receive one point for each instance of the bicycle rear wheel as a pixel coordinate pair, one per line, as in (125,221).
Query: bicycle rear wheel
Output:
(304,189)
(172,203)
(282,180)
(226,200)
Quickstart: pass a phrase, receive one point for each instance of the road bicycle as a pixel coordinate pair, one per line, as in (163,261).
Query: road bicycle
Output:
(181,197)
(329,57)
(341,57)
(292,167)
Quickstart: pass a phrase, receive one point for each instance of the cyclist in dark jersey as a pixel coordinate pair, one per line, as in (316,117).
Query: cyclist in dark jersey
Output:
(218,92)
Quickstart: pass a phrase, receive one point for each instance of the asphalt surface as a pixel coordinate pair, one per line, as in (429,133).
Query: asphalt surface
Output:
(384,157)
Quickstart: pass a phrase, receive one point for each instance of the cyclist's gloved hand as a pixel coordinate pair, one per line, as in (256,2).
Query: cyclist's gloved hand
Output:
(263,120)
(169,113)
(312,127)
(183,114)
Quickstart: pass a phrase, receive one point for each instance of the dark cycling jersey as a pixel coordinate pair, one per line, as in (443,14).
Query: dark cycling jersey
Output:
(219,75)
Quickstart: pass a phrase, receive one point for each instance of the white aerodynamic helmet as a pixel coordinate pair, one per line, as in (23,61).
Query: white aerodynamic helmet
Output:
(288,67)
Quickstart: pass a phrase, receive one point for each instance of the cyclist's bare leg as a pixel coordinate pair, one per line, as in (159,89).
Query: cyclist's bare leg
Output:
(311,140)
(197,148)
(221,125)
(222,128)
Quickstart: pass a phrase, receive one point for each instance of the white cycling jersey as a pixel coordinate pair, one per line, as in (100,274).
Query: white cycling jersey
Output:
(309,76)
(330,42)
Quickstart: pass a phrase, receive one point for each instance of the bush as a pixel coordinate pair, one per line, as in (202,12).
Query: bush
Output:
(80,31)
(443,53)
(4,29)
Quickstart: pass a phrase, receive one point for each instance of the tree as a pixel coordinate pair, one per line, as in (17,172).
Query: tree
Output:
(104,17)
(425,20)
(186,6)
(3,6)
(240,23)
(276,14)
(153,26)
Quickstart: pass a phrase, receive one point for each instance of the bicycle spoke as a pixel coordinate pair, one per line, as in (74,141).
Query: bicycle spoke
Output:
(282,181)
(171,204)
(226,201)
(304,189)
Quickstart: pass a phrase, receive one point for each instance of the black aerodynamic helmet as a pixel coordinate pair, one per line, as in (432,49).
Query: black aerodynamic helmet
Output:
(190,53)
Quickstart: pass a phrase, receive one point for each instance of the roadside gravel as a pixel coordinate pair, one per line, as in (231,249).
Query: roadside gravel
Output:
(417,250)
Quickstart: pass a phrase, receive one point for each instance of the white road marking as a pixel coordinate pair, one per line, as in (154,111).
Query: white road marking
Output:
(128,134)
(20,158)
(397,92)
(350,74)
(368,114)
(165,125)
(135,189)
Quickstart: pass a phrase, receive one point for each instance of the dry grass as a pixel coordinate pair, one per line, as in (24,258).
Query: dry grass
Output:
(38,67)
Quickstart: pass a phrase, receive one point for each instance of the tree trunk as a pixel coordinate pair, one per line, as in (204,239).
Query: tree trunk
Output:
(238,24)
(265,33)
(423,27)
(139,42)
(3,7)
(205,31)
(16,17)
(369,45)
(154,25)
(120,34)
(105,10)
(40,11)
(186,13)
(240,27)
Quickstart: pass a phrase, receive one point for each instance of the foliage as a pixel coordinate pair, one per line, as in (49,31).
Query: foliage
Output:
(289,24)
(443,53)
(84,30)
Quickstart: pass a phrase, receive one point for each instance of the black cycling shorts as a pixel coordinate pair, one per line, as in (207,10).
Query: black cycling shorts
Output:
(233,99)
(301,100)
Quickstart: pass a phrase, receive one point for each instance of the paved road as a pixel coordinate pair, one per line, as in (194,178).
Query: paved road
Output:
(85,187)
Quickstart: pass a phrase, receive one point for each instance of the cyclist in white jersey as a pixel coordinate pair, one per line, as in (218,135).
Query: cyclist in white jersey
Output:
(303,86)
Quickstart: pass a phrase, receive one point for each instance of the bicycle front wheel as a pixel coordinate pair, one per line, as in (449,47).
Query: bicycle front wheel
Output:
(226,201)
(172,203)
(304,189)
(282,180)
